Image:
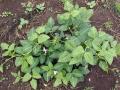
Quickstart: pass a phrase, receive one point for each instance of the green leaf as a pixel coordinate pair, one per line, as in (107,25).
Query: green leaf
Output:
(49,25)
(74,81)
(59,66)
(36,70)
(17,80)
(32,35)
(30,60)
(26,77)
(11,47)
(65,80)
(6,53)
(118,49)
(42,59)
(89,58)
(77,51)
(50,65)
(1,68)
(76,60)
(14,74)
(105,45)
(25,42)
(103,65)
(4,46)
(18,61)
(57,82)
(33,84)
(68,6)
(24,66)
(65,57)
(110,55)
(93,32)
(77,73)
(42,38)
(36,75)
(24,50)
(96,43)
(40,29)
(36,50)
(68,67)
(46,68)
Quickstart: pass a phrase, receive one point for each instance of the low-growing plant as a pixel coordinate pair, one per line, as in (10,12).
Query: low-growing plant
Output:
(40,7)
(91,4)
(29,7)
(23,22)
(6,14)
(117,7)
(62,51)
(108,24)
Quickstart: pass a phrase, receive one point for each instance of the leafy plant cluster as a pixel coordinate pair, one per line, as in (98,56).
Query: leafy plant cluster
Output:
(117,7)
(6,14)
(29,7)
(62,51)
(23,22)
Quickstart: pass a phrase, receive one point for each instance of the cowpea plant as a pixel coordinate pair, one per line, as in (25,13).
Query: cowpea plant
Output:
(62,51)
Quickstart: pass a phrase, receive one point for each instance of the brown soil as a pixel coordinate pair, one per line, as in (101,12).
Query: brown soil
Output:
(97,79)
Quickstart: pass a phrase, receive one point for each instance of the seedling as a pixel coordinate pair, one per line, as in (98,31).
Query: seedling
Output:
(6,14)
(28,6)
(117,7)
(40,7)
(23,22)
(108,24)
(91,4)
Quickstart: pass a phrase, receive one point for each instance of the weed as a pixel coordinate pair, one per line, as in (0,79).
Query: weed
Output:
(108,24)
(29,7)
(91,4)
(40,7)
(117,7)
(6,14)
(23,22)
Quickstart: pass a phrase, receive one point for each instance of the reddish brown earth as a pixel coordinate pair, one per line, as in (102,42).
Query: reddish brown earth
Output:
(97,79)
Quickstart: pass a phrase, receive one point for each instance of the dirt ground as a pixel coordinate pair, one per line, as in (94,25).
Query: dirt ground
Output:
(97,79)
